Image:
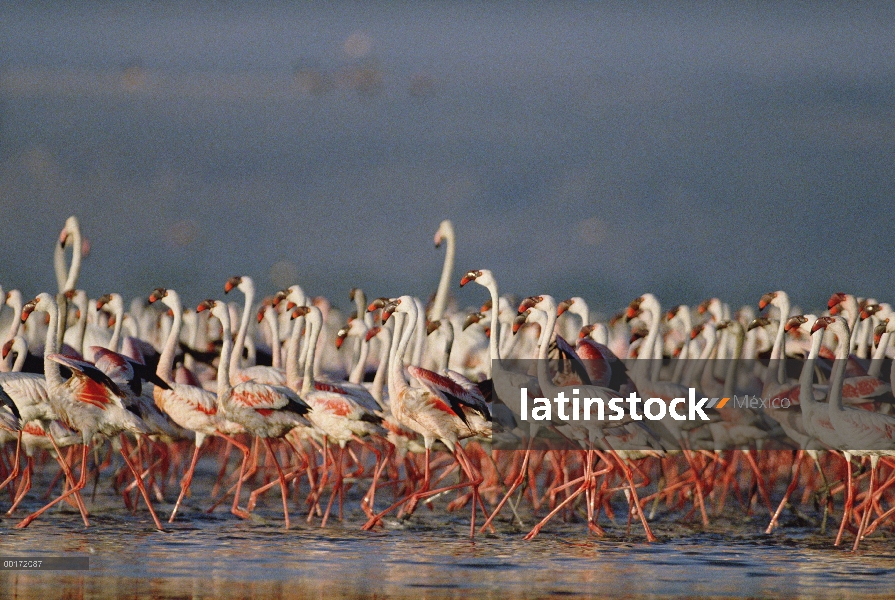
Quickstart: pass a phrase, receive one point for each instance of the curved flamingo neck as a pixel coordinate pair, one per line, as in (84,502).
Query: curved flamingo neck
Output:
(293,375)
(384,356)
(842,332)
(165,368)
(115,342)
(314,322)
(248,287)
(363,350)
(223,377)
(806,378)
(778,352)
(547,320)
(51,367)
(494,339)
(396,379)
(14,300)
(447,269)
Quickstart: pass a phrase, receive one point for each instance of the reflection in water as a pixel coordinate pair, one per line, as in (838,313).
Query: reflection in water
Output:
(219,556)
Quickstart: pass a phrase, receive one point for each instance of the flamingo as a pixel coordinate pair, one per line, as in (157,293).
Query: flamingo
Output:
(88,402)
(191,407)
(436,407)
(341,415)
(444,234)
(863,432)
(265,411)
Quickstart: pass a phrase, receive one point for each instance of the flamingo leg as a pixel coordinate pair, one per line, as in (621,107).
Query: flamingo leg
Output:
(185,484)
(71,491)
(143,492)
(789,490)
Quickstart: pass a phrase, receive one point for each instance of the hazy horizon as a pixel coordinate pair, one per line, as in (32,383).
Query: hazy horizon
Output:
(600,150)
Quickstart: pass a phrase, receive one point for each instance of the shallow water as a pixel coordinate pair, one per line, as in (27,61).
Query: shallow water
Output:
(429,556)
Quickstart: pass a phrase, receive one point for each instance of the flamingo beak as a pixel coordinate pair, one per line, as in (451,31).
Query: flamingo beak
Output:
(563,307)
(835,299)
(28,309)
(339,341)
(519,321)
(819,324)
(6,348)
(371,333)
(464,280)
(765,300)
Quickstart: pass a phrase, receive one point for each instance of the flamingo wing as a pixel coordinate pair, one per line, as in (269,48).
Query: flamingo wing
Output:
(85,370)
(452,392)
(260,396)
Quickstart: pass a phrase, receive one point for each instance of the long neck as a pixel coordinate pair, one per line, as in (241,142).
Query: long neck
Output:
(81,329)
(839,364)
(806,379)
(384,355)
(165,369)
(733,359)
(116,331)
(293,375)
(15,301)
(879,355)
(357,373)
(276,357)
(314,323)
(21,349)
(704,368)
(75,270)
(419,342)
(223,378)
(648,346)
(51,368)
(444,283)
(778,352)
(493,341)
(400,340)
(544,380)
(239,344)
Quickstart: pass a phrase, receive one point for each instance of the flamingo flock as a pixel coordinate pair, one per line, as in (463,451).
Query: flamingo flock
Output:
(404,400)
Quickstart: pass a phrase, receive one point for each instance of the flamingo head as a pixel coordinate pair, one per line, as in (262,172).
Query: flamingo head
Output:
(704,306)
(759,322)
(372,332)
(341,335)
(794,323)
(103,300)
(633,309)
(766,299)
(694,333)
(389,309)
(520,319)
(378,303)
(878,332)
(300,311)
(445,230)
(472,319)
(157,294)
(530,302)
(564,306)
(470,276)
(672,312)
(869,310)
(836,302)
(233,282)
(822,323)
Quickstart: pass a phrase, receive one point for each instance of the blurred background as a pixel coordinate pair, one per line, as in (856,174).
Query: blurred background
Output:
(596,149)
